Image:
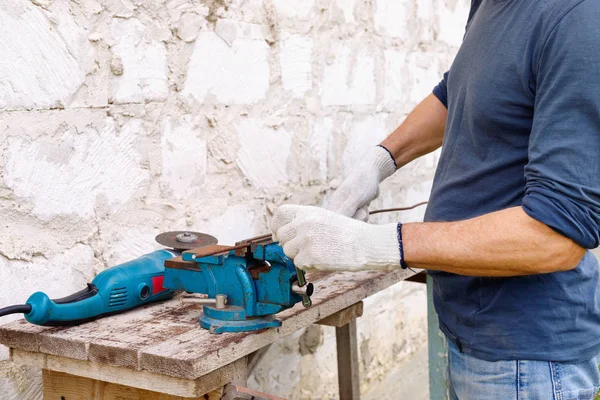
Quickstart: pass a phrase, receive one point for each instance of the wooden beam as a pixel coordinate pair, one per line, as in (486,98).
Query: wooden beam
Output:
(347,356)
(344,316)
(142,380)
(61,386)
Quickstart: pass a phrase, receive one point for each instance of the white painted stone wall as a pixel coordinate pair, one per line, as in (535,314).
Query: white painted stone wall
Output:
(121,119)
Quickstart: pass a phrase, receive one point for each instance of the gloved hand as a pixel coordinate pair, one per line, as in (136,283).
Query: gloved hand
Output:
(316,238)
(361,186)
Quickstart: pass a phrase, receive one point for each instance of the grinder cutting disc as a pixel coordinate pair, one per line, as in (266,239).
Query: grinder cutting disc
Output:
(185,240)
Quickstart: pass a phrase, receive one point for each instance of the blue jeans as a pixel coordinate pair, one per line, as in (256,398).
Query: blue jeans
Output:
(475,379)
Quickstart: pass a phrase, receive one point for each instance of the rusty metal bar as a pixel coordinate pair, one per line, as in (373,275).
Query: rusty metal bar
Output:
(398,208)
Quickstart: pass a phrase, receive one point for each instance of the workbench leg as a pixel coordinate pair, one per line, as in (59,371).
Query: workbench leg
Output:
(438,351)
(347,356)
(231,391)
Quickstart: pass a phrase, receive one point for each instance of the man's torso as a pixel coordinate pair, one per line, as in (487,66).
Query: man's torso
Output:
(491,95)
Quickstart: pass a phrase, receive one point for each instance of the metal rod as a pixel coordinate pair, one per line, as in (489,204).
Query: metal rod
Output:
(196,300)
(219,301)
(305,292)
(385,210)
(301,277)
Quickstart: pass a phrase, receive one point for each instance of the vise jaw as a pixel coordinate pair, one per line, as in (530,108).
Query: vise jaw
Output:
(250,282)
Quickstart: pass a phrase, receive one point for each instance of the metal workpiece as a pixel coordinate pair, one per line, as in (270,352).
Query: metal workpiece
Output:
(237,392)
(247,284)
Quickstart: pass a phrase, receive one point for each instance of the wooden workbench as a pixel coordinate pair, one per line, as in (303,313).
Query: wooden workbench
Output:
(160,352)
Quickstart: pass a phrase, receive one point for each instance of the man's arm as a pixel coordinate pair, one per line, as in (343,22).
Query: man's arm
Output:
(560,212)
(503,243)
(421,132)
(559,215)
(500,244)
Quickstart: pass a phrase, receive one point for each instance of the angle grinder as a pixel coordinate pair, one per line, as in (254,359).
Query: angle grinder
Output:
(115,290)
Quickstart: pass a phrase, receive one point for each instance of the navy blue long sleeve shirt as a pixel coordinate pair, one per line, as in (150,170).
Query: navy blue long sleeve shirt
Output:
(523,129)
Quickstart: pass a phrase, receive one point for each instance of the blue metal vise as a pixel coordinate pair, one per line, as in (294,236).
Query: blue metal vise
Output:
(246,284)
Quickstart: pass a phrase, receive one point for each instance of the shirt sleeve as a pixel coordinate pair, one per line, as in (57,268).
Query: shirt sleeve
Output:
(441,91)
(563,173)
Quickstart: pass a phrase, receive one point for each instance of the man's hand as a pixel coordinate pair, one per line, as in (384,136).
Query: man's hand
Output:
(361,186)
(319,239)
(421,132)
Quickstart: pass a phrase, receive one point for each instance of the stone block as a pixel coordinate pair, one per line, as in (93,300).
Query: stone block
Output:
(263,153)
(350,78)
(233,69)
(138,64)
(296,64)
(42,63)
(183,149)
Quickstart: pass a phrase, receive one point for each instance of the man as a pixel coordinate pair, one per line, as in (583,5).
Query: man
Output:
(514,206)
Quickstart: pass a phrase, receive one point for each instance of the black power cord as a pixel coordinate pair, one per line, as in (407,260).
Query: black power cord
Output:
(18,309)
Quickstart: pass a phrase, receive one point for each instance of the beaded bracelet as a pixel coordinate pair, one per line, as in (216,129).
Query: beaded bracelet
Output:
(401,247)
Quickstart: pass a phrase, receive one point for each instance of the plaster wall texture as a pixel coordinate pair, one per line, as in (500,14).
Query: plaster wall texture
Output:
(121,119)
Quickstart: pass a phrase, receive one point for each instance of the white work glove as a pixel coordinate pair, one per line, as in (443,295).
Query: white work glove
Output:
(361,186)
(316,238)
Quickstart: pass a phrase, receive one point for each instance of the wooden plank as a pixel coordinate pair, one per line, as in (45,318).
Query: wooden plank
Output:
(22,335)
(135,379)
(114,341)
(344,316)
(196,353)
(58,386)
(347,360)
(166,338)
(62,386)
